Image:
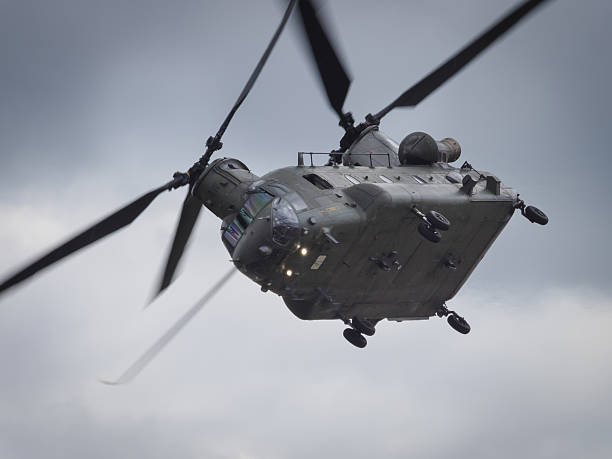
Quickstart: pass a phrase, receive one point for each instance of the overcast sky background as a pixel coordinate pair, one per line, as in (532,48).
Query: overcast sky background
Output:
(102,101)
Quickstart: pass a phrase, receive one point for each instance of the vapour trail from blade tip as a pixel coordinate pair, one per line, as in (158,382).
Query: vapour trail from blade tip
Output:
(156,348)
(188,217)
(191,207)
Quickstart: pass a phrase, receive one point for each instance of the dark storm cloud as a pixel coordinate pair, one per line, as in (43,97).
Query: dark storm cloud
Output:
(101,101)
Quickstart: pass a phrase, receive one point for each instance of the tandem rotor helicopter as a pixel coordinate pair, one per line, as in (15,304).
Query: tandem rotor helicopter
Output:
(380,231)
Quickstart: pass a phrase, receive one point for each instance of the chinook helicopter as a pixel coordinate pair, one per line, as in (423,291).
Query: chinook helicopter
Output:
(380,231)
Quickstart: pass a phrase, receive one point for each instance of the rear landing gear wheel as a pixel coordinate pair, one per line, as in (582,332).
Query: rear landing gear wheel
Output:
(438,220)
(458,323)
(363,326)
(429,232)
(355,338)
(535,215)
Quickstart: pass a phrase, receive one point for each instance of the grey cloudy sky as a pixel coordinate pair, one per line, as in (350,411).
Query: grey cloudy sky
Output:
(101,101)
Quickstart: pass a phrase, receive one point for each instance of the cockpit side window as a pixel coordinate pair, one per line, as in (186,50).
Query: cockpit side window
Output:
(232,234)
(319,182)
(245,216)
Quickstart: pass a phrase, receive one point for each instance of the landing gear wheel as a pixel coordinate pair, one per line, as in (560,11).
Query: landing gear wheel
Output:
(363,326)
(429,233)
(355,338)
(535,215)
(458,323)
(438,220)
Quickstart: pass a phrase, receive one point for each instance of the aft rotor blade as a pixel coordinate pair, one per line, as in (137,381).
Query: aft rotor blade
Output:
(435,79)
(333,75)
(152,352)
(110,224)
(187,220)
(257,70)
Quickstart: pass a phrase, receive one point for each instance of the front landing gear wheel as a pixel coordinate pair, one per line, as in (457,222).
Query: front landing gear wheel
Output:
(458,323)
(429,233)
(355,338)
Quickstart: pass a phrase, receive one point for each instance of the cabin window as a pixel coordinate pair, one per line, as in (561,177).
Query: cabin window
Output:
(319,182)
(352,179)
(419,179)
(385,179)
(452,179)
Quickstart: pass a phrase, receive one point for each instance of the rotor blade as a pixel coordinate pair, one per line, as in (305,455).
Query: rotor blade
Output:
(189,215)
(335,78)
(110,224)
(145,358)
(435,79)
(257,71)
(191,207)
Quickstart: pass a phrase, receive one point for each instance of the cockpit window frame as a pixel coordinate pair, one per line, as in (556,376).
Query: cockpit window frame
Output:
(236,229)
(285,225)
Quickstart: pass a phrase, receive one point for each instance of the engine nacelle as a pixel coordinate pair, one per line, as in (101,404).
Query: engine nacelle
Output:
(421,148)
(222,186)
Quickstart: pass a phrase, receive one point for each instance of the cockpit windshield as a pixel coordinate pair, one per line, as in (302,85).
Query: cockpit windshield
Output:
(245,216)
(255,203)
(285,223)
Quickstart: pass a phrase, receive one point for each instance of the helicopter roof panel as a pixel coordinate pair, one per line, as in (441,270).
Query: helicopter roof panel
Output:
(372,145)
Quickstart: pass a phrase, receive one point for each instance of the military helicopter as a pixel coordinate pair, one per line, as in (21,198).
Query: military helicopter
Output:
(380,231)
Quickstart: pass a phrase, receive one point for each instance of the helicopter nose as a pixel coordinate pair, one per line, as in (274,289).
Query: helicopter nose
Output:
(267,240)
(256,243)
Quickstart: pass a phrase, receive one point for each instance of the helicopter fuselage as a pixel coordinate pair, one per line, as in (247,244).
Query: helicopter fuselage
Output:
(342,241)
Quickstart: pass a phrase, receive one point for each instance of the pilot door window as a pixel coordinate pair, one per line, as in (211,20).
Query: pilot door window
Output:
(245,216)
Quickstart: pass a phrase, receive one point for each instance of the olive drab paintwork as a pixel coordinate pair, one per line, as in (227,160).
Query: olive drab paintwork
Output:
(383,231)
(356,251)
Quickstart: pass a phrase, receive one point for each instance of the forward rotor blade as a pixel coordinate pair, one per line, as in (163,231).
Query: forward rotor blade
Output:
(150,354)
(110,224)
(257,70)
(435,79)
(189,215)
(333,75)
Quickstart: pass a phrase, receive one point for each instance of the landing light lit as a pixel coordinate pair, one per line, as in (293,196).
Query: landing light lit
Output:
(304,251)
(289,273)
